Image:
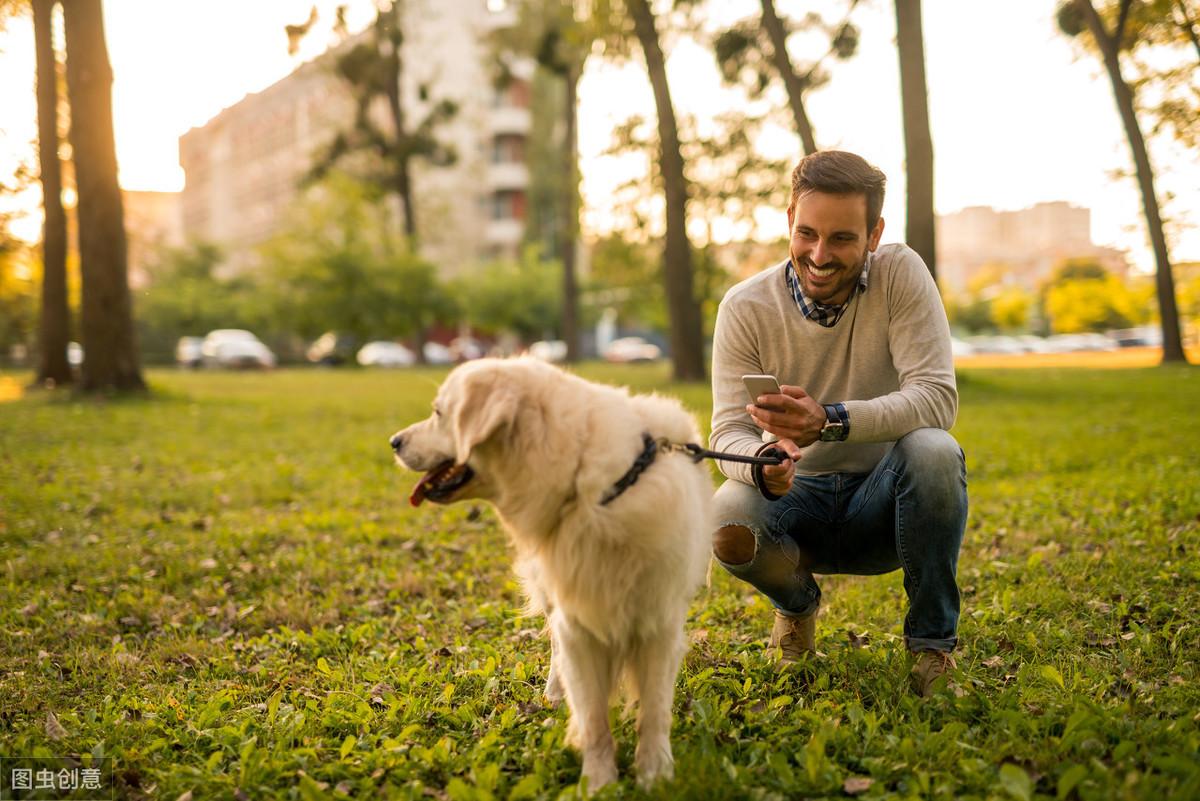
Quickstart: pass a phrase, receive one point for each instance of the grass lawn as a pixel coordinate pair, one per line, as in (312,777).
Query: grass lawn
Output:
(224,590)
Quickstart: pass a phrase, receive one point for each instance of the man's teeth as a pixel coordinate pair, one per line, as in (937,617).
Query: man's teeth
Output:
(820,272)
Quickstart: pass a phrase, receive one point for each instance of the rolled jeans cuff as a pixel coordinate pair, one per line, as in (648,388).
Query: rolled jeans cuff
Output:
(918,644)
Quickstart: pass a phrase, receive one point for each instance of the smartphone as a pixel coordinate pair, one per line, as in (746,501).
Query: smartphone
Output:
(758,385)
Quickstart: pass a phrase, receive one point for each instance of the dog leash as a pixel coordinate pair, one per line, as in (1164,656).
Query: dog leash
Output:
(652,446)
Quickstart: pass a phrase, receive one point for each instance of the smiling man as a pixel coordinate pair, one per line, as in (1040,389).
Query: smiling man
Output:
(856,335)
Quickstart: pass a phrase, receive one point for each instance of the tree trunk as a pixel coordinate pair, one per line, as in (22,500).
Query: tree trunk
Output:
(783,65)
(1164,283)
(687,348)
(110,360)
(395,88)
(918,142)
(570,223)
(54,329)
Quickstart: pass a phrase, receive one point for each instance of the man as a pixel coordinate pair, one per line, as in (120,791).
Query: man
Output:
(857,336)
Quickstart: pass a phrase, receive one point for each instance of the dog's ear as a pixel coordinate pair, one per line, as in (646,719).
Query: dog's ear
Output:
(486,406)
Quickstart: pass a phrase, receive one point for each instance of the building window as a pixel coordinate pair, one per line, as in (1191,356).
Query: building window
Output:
(508,149)
(508,204)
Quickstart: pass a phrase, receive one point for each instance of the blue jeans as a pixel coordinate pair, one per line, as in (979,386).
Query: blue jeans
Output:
(909,512)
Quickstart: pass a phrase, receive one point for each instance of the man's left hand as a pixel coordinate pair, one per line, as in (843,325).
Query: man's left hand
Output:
(792,415)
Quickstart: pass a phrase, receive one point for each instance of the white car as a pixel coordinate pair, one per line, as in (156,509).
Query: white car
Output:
(385,354)
(437,353)
(188,352)
(233,347)
(632,349)
(552,350)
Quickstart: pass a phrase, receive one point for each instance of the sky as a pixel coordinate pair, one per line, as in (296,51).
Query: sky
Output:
(1018,115)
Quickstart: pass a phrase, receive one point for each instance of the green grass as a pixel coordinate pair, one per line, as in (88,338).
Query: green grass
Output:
(224,589)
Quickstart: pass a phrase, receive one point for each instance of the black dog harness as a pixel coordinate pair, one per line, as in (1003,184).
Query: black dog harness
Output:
(694,452)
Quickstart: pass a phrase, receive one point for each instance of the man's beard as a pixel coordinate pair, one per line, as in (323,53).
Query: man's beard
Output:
(846,278)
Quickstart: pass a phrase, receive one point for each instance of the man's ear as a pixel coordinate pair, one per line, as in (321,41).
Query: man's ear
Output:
(874,236)
(484,409)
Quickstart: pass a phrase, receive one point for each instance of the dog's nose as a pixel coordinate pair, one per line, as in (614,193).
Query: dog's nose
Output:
(396,441)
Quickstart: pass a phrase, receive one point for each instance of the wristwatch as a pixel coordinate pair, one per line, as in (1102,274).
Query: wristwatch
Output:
(837,426)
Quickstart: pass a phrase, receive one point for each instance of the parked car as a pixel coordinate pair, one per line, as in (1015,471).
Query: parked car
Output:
(437,353)
(235,348)
(960,347)
(632,349)
(1146,336)
(188,352)
(331,348)
(385,354)
(552,350)
(464,349)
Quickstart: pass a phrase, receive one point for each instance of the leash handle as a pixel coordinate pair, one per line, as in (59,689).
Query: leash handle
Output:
(771,456)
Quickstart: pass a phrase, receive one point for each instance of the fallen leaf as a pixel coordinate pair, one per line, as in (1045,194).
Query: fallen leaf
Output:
(54,729)
(185,797)
(857,784)
(993,661)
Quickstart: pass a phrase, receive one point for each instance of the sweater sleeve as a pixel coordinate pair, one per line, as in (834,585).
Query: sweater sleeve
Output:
(919,340)
(735,354)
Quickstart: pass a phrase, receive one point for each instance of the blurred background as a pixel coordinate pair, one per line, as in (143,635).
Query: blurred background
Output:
(385,184)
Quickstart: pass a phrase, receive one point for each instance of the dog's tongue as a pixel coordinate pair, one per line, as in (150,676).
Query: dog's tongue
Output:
(427,480)
(418,493)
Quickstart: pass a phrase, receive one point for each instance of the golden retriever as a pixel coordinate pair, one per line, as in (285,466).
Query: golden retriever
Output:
(613,578)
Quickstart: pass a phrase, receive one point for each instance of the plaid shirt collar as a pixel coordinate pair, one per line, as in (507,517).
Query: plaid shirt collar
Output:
(821,313)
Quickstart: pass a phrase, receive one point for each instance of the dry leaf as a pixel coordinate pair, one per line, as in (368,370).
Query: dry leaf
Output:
(185,797)
(857,784)
(54,729)
(993,661)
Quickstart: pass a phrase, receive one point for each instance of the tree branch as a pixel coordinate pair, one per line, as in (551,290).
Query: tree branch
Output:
(1189,26)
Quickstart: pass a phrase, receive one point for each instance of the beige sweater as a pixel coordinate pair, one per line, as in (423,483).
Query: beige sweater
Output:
(888,360)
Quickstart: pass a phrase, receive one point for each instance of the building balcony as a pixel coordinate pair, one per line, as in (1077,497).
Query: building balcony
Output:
(509,119)
(505,232)
(507,175)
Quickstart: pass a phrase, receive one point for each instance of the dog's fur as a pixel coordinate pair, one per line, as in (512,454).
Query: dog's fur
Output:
(613,580)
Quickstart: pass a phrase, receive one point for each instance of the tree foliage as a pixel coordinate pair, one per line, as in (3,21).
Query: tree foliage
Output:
(337,263)
(384,148)
(519,296)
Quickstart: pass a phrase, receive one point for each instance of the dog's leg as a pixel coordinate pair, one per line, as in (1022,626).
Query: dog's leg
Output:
(554,692)
(586,669)
(655,664)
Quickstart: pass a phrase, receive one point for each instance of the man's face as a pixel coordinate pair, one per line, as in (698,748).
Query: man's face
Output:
(829,243)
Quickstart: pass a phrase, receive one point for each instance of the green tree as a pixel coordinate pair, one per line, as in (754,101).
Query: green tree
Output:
(687,346)
(55,323)
(552,33)
(1120,27)
(918,140)
(753,52)
(111,359)
(518,296)
(374,69)
(338,264)
(185,296)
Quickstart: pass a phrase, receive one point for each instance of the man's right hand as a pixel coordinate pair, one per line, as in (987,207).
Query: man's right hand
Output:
(778,477)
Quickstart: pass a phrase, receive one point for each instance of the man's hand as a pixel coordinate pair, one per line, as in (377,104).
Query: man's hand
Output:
(778,477)
(793,416)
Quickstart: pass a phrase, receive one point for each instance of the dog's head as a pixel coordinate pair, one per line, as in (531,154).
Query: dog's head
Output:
(475,407)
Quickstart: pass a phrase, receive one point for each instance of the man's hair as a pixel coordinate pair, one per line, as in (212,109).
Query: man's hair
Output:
(836,172)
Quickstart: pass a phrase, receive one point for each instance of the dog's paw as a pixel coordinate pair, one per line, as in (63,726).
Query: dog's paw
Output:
(654,764)
(599,772)
(554,692)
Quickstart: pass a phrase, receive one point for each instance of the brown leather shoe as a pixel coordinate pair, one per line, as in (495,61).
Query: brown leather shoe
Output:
(794,636)
(929,668)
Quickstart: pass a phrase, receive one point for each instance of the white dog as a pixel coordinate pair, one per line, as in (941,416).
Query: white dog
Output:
(611,553)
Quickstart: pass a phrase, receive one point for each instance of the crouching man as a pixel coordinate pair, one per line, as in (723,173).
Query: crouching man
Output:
(857,336)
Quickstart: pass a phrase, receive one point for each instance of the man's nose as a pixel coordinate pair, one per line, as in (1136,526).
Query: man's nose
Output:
(820,254)
(397,441)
